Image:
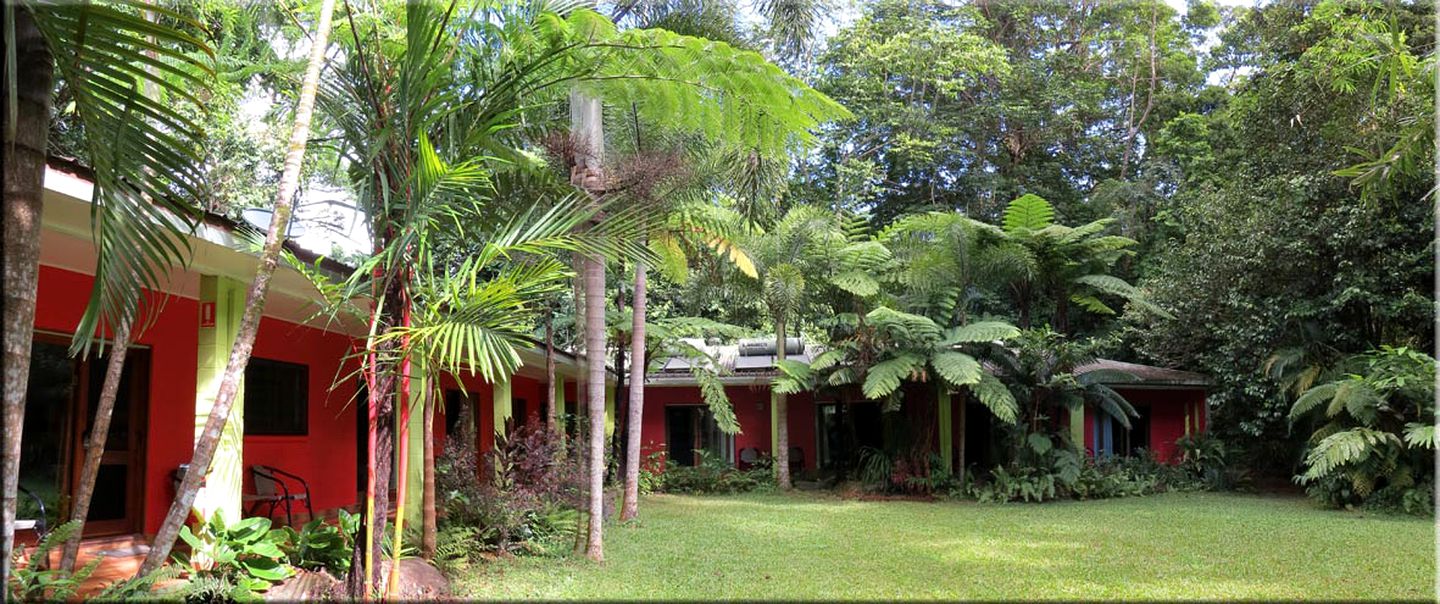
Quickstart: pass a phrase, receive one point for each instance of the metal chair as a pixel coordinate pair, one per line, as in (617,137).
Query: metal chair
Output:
(272,489)
(33,524)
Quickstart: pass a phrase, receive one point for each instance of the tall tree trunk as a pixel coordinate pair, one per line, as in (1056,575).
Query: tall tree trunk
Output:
(595,359)
(95,448)
(551,426)
(782,413)
(254,303)
(616,444)
(25,145)
(428,530)
(402,457)
(582,398)
(630,508)
(960,436)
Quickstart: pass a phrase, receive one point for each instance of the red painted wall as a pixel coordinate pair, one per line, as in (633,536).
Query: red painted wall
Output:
(173,338)
(326,456)
(1167,417)
(752,410)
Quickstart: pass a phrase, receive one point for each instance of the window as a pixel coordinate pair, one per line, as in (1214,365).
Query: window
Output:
(276,398)
(692,428)
(1110,437)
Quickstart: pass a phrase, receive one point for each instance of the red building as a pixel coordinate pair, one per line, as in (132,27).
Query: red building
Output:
(1170,404)
(299,411)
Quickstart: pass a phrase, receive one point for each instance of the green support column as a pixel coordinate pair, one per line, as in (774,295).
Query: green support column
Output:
(947,445)
(774,425)
(559,409)
(609,409)
(222,302)
(415,447)
(1077,429)
(502,404)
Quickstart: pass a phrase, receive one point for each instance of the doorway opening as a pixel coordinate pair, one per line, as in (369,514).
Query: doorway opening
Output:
(60,402)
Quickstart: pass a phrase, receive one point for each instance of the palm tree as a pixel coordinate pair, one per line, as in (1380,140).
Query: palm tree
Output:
(794,260)
(209,439)
(691,225)
(142,148)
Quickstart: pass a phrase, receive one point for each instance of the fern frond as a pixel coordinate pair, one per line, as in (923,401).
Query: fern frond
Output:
(884,378)
(957,368)
(1312,399)
(1030,212)
(992,393)
(981,331)
(1420,436)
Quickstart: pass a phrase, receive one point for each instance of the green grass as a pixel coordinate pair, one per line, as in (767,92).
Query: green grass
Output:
(1173,546)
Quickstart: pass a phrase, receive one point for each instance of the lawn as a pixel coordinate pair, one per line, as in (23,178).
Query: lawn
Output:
(1173,546)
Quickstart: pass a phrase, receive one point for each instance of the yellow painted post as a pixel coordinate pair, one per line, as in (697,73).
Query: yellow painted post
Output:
(222,302)
(502,404)
(947,445)
(1077,429)
(415,448)
(609,409)
(559,409)
(774,425)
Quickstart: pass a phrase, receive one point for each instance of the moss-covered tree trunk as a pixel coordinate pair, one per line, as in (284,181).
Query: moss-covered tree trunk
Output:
(26,142)
(209,439)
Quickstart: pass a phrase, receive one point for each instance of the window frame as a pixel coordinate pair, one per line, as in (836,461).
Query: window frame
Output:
(304,381)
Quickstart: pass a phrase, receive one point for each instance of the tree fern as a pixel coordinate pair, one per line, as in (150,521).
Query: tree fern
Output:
(1030,212)
(992,393)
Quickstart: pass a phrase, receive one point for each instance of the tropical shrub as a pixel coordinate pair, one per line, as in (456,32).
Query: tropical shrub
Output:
(914,472)
(712,475)
(31,579)
(526,505)
(245,555)
(320,545)
(1376,431)
(652,473)
(1044,471)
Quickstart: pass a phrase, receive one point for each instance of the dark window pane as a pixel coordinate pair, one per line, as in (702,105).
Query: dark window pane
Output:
(47,403)
(276,398)
(111,494)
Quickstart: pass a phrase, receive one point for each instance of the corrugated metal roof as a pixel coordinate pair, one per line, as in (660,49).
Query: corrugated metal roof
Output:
(1138,374)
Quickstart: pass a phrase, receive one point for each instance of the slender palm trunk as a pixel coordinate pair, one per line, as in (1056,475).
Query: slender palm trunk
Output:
(595,358)
(630,508)
(209,439)
(582,397)
(95,448)
(782,414)
(428,530)
(402,471)
(25,145)
(551,426)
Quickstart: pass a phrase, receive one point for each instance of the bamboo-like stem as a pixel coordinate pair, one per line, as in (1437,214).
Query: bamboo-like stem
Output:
(392,583)
(209,440)
(95,448)
(630,506)
(428,520)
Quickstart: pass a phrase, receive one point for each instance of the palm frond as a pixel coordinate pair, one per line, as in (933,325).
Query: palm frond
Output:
(144,149)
